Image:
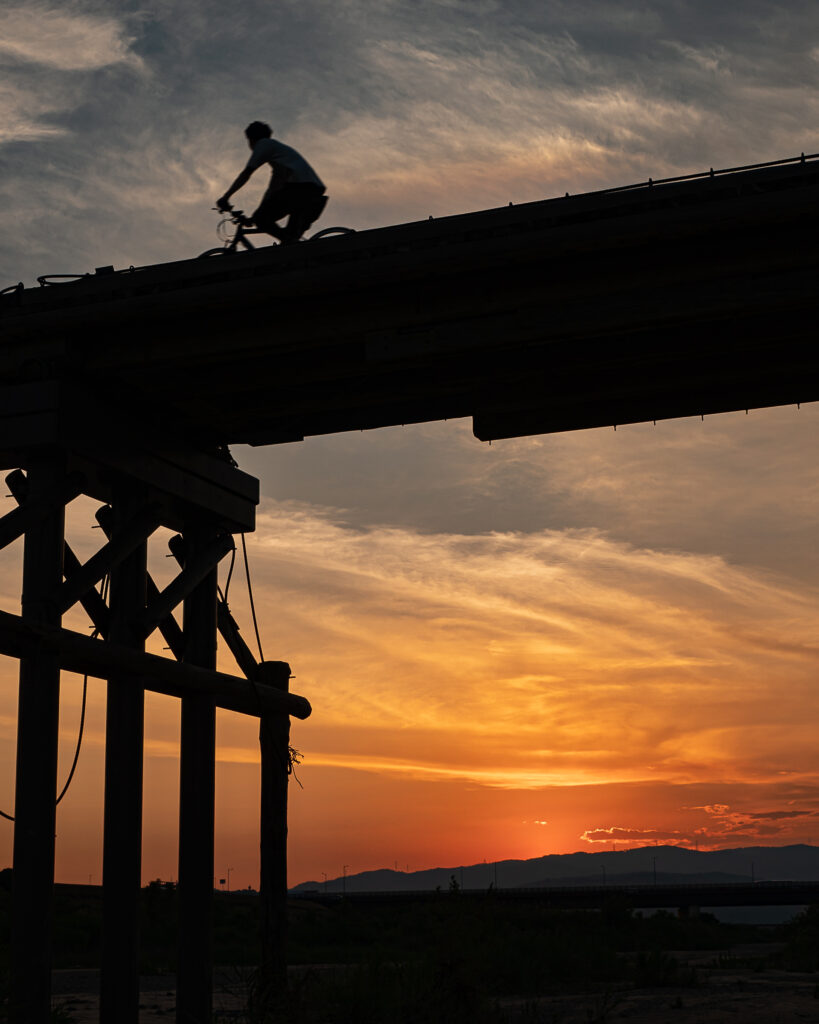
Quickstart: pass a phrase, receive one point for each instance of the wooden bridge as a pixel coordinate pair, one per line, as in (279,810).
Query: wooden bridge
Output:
(674,298)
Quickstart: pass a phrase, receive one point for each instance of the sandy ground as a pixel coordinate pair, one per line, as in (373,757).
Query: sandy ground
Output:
(721,994)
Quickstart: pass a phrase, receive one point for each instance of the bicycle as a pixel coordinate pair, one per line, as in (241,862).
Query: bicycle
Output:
(243,225)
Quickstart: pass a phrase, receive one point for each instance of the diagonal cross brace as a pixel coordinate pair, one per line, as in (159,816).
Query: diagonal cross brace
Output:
(196,569)
(227,625)
(92,602)
(109,556)
(168,627)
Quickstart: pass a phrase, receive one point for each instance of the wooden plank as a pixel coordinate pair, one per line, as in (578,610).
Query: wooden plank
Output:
(98,658)
(190,490)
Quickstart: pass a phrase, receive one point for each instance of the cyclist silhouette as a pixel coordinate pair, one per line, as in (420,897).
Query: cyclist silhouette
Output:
(295,190)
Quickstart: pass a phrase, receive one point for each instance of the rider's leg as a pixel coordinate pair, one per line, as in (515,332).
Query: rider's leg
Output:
(310,201)
(275,204)
(300,202)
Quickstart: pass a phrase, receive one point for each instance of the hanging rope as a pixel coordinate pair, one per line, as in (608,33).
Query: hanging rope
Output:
(81,732)
(250,595)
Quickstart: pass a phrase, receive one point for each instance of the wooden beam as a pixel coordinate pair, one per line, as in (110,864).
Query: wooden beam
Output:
(78,653)
(196,569)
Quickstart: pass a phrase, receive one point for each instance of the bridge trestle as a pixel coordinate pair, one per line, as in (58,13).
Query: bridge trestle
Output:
(143,487)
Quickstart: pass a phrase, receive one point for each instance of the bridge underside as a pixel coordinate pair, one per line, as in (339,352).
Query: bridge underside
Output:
(671,300)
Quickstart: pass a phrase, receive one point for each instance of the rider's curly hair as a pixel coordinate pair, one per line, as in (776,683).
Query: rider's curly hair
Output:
(258,130)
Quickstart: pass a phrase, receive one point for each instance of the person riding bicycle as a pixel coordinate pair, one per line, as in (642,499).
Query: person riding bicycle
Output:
(295,190)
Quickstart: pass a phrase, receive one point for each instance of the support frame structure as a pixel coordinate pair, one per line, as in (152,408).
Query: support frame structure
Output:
(206,499)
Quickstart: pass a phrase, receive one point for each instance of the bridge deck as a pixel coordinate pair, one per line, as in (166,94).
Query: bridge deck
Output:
(693,296)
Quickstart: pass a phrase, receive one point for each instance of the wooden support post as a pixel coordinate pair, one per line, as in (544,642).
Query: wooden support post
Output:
(37,732)
(122,837)
(274,742)
(197,769)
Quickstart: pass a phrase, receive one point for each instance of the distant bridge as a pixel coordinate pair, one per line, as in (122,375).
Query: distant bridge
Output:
(730,894)
(668,298)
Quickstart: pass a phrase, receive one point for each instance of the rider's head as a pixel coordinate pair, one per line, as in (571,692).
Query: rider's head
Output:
(257,130)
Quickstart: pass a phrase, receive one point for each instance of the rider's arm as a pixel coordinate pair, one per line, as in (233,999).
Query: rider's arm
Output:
(242,178)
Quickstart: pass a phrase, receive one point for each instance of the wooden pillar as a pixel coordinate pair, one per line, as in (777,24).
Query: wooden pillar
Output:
(122,835)
(194,990)
(274,742)
(37,735)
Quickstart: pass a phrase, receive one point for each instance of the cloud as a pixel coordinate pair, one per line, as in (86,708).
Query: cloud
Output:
(638,836)
(561,657)
(406,108)
(64,37)
(777,815)
(725,829)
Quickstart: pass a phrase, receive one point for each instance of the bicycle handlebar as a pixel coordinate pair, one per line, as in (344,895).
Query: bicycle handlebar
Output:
(237,216)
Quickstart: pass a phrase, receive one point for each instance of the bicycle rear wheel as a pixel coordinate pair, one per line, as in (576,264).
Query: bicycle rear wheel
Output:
(327,232)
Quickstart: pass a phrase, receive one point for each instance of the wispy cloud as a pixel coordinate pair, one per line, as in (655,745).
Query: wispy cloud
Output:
(558,655)
(406,108)
(64,37)
(714,826)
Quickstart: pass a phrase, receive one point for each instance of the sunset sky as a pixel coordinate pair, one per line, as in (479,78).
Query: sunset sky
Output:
(544,645)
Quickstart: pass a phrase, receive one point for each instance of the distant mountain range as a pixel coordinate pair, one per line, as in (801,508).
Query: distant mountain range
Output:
(665,864)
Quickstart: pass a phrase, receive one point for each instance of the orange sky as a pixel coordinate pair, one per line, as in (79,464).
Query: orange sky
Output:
(491,694)
(538,646)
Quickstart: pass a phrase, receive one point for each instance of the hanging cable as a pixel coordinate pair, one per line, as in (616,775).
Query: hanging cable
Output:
(79,739)
(224,595)
(104,596)
(250,595)
(294,757)
(81,732)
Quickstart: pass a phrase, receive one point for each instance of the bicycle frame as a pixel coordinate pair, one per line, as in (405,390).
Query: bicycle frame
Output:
(240,236)
(243,229)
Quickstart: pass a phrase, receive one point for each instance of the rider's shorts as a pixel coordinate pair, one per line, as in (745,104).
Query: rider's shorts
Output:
(298,198)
